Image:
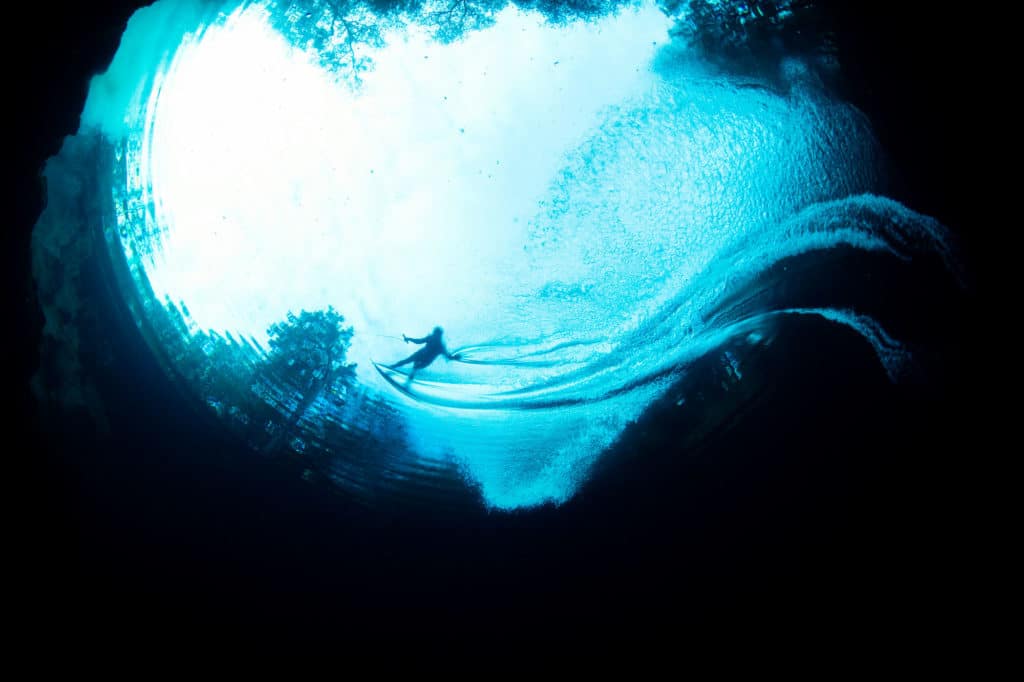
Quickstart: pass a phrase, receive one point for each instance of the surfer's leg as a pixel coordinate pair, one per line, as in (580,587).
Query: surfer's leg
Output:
(420,362)
(404,362)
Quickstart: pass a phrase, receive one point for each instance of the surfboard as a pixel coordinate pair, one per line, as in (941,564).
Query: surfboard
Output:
(395,377)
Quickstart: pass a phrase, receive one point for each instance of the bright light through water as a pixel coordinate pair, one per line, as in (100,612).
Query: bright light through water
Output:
(406,205)
(568,201)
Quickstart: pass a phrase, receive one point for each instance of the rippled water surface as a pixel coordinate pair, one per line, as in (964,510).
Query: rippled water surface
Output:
(585,205)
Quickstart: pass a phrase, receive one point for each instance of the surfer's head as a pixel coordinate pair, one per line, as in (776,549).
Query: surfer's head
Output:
(438,331)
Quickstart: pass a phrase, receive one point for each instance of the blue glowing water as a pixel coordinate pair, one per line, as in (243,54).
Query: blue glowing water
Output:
(600,226)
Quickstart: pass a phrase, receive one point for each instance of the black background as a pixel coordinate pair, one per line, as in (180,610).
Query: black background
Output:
(166,524)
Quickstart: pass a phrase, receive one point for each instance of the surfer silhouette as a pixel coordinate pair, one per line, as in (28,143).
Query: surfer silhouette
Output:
(433,345)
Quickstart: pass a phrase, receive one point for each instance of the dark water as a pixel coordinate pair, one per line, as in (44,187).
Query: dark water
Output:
(168,520)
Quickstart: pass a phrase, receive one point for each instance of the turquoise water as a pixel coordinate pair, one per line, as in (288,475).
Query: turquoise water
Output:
(586,207)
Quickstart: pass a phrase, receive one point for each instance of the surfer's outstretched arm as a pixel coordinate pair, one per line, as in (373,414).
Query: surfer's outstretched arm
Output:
(409,338)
